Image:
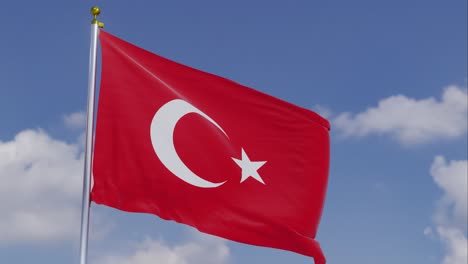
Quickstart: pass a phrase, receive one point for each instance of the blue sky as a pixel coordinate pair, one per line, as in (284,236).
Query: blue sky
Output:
(391,76)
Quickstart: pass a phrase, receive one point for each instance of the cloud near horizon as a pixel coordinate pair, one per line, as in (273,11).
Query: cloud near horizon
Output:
(450,217)
(409,120)
(200,249)
(41,188)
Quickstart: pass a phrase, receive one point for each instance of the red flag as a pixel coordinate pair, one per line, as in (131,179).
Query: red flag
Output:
(202,150)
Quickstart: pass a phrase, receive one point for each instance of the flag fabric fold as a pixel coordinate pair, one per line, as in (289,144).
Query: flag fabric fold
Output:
(205,151)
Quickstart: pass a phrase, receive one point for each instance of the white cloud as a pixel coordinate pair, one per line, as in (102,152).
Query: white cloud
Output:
(202,249)
(411,121)
(75,120)
(451,213)
(456,245)
(41,188)
(452,178)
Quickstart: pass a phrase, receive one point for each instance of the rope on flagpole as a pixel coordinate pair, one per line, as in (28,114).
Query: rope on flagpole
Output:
(85,209)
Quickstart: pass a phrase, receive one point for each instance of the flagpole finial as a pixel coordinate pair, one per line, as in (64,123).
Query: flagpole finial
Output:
(95,11)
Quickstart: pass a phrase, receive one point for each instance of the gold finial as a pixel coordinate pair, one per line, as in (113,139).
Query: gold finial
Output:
(95,11)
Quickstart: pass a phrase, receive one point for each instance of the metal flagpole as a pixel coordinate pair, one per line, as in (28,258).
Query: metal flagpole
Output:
(95,24)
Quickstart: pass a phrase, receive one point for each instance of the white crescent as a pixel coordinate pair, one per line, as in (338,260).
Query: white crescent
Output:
(162,132)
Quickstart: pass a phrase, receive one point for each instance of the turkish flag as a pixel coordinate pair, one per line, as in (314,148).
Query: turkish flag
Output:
(205,151)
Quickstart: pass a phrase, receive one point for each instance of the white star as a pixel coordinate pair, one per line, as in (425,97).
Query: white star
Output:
(249,168)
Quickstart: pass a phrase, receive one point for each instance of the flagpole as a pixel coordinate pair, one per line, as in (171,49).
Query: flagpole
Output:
(95,24)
